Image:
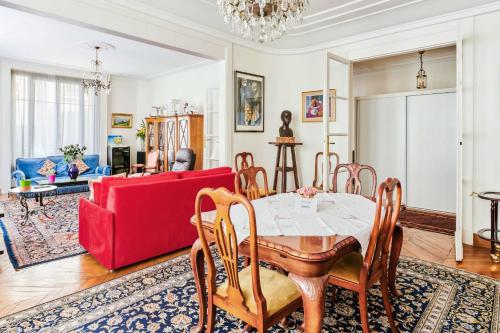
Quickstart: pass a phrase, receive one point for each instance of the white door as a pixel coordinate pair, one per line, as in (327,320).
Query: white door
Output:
(431,181)
(381,137)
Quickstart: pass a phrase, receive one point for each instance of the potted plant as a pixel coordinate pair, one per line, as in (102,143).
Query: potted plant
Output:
(141,136)
(51,176)
(73,153)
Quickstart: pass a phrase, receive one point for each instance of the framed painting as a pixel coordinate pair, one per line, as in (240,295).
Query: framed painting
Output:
(312,106)
(121,120)
(249,102)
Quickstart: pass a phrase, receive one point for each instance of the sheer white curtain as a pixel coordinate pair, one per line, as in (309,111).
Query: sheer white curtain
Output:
(50,112)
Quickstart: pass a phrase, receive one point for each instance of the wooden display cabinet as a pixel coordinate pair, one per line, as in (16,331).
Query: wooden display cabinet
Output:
(168,134)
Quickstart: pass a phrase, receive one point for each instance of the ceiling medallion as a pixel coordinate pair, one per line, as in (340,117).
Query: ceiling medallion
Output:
(94,80)
(266,20)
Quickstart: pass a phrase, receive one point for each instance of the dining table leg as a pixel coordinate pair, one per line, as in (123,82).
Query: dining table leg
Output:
(313,298)
(198,266)
(397,244)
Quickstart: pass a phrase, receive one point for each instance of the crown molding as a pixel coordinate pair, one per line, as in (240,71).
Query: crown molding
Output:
(227,37)
(434,60)
(301,33)
(180,69)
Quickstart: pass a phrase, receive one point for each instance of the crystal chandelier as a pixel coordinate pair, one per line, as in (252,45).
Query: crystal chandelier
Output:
(264,19)
(94,80)
(421,75)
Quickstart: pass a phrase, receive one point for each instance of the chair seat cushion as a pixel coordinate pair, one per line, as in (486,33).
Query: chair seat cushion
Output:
(262,192)
(348,268)
(278,289)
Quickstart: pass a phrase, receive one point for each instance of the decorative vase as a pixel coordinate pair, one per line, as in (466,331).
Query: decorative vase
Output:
(139,144)
(73,171)
(25,185)
(51,178)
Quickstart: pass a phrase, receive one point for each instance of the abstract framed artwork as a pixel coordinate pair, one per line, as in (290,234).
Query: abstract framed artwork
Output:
(312,106)
(249,102)
(121,120)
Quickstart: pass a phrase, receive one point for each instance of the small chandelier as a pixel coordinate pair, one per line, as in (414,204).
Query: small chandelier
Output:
(264,19)
(94,80)
(421,75)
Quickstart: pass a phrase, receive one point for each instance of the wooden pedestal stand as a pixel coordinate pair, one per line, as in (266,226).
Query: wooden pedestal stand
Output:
(283,168)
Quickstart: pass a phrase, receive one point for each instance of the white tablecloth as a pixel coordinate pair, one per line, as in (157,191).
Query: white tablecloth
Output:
(337,214)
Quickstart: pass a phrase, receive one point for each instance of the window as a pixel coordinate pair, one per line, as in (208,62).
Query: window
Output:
(50,112)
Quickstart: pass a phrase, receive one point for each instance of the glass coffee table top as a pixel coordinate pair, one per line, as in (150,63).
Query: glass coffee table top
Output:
(33,189)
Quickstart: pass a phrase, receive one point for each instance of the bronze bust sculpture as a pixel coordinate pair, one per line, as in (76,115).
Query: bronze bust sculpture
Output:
(285,130)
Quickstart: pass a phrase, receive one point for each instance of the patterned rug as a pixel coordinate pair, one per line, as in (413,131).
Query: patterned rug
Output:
(42,239)
(163,298)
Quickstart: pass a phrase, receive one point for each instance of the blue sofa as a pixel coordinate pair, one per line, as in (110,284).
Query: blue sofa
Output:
(27,168)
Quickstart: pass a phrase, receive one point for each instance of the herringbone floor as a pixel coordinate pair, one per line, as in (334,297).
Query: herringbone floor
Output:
(38,284)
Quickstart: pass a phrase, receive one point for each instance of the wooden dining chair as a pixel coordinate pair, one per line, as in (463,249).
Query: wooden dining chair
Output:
(251,189)
(353,183)
(317,183)
(358,274)
(259,296)
(150,165)
(246,160)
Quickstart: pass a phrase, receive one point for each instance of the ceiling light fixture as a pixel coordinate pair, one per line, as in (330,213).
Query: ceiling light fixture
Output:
(264,19)
(421,75)
(94,80)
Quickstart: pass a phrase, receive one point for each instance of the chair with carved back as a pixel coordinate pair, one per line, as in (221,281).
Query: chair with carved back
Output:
(151,164)
(251,188)
(260,297)
(358,273)
(317,183)
(246,160)
(353,183)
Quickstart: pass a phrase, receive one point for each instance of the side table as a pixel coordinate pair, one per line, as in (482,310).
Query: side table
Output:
(492,234)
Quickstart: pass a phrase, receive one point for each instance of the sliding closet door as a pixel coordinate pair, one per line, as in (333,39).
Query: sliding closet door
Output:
(432,151)
(381,140)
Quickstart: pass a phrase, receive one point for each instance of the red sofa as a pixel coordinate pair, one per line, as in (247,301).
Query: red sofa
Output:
(133,219)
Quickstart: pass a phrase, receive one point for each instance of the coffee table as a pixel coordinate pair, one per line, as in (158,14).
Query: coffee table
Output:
(64,182)
(39,191)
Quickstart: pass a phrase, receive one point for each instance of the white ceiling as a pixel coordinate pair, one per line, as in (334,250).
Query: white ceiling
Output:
(37,39)
(326,20)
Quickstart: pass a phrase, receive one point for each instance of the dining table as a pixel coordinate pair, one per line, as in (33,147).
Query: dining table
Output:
(306,257)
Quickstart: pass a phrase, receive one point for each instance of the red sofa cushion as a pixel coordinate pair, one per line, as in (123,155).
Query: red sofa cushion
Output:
(108,182)
(203,173)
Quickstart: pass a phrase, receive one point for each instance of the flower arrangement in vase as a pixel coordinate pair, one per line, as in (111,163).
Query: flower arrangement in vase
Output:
(73,153)
(141,136)
(307,192)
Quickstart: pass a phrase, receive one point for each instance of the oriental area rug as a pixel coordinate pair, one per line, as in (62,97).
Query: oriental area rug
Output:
(41,239)
(162,298)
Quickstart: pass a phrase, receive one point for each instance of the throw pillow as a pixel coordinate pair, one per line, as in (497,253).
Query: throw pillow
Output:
(82,167)
(46,168)
(62,168)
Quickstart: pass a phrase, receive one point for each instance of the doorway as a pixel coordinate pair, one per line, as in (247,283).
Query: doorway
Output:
(411,134)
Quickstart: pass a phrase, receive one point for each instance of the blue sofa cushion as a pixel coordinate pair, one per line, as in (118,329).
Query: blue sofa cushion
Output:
(30,166)
(61,169)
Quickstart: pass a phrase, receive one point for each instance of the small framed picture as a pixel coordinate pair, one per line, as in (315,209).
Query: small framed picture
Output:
(121,120)
(249,102)
(312,106)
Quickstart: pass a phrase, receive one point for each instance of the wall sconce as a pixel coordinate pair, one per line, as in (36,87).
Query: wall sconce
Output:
(421,75)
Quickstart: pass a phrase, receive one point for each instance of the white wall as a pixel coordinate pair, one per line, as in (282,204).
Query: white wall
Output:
(6,66)
(398,73)
(487,113)
(123,98)
(286,77)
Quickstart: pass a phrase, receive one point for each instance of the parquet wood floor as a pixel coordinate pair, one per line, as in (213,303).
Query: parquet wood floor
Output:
(38,284)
